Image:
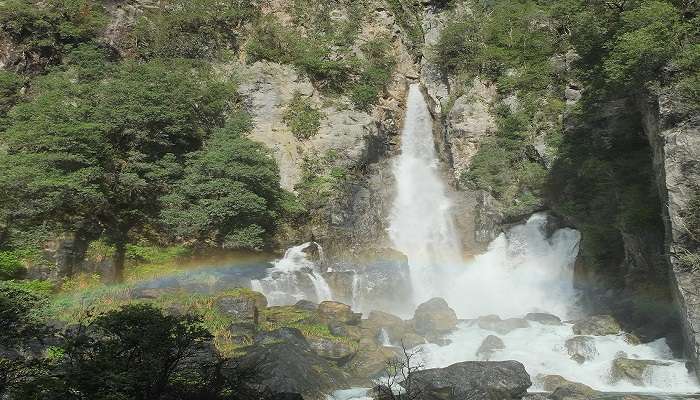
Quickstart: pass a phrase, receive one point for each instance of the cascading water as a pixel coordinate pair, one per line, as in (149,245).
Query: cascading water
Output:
(294,277)
(524,270)
(421,225)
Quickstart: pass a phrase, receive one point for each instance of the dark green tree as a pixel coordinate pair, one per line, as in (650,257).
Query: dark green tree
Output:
(229,192)
(96,151)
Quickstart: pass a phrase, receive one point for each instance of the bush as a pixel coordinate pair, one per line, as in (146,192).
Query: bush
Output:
(302,118)
(143,253)
(191,28)
(11,266)
(10,85)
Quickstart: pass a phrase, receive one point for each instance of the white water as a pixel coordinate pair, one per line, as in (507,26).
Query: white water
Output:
(522,271)
(293,277)
(384,338)
(421,225)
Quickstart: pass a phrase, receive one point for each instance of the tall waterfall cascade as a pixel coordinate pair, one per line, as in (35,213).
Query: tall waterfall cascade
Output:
(421,224)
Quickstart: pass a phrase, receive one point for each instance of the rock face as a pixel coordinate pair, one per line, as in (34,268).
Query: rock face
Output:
(675,142)
(434,317)
(502,326)
(490,345)
(243,307)
(581,348)
(597,325)
(474,380)
(632,370)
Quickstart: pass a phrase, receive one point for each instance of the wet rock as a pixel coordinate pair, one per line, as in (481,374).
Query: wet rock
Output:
(631,339)
(543,318)
(535,396)
(551,383)
(394,326)
(341,284)
(487,380)
(597,325)
(284,363)
(410,340)
(369,363)
(338,312)
(490,345)
(434,317)
(306,305)
(632,370)
(313,252)
(334,350)
(502,326)
(574,391)
(581,348)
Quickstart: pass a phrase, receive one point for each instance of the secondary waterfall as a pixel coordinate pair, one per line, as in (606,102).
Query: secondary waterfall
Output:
(421,224)
(294,277)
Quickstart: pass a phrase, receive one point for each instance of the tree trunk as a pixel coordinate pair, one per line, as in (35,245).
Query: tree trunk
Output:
(119,255)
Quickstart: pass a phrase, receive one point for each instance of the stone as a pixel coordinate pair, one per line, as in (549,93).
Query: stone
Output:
(632,370)
(581,348)
(338,312)
(597,325)
(370,362)
(334,350)
(434,317)
(473,380)
(238,307)
(631,339)
(242,332)
(502,326)
(395,327)
(551,383)
(306,305)
(574,391)
(543,318)
(284,362)
(410,340)
(490,345)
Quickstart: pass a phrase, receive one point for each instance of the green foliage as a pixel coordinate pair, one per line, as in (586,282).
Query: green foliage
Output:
(45,28)
(191,28)
(321,180)
(408,16)
(101,153)
(302,117)
(11,266)
(334,68)
(228,192)
(144,253)
(10,85)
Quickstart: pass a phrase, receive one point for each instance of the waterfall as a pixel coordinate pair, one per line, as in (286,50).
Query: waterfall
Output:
(384,338)
(294,277)
(421,224)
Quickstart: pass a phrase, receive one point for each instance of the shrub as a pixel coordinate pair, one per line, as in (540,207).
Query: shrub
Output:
(11,266)
(302,118)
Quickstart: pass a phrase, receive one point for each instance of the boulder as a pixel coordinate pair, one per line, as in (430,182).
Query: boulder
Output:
(434,317)
(242,332)
(334,350)
(543,318)
(632,370)
(490,345)
(581,348)
(243,306)
(333,311)
(395,326)
(410,340)
(473,380)
(502,326)
(597,325)
(306,305)
(369,363)
(283,362)
(551,383)
(350,331)
(574,391)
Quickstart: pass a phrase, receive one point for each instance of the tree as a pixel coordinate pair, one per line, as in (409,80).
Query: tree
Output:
(228,193)
(93,153)
(398,372)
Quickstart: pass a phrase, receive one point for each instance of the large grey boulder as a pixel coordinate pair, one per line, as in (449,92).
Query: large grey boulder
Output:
(473,380)
(581,348)
(502,326)
(333,311)
(284,362)
(434,317)
(597,325)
